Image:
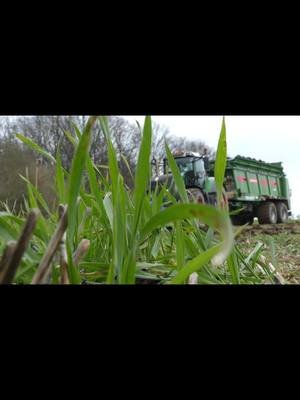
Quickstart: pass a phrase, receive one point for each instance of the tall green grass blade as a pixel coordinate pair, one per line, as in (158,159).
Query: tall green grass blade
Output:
(77,131)
(190,246)
(31,199)
(253,256)
(30,143)
(142,174)
(179,182)
(139,127)
(33,195)
(60,179)
(77,170)
(209,237)
(273,252)
(71,138)
(7,231)
(117,206)
(195,264)
(179,245)
(36,197)
(113,163)
(234,268)
(10,230)
(206,214)
(127,166)
(95,190)
(121,244)
(141,181)
(220,163)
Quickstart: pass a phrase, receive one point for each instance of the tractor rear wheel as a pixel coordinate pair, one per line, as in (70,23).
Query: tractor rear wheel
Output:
(267,213)
(196,195)
(212,199)
(282,212)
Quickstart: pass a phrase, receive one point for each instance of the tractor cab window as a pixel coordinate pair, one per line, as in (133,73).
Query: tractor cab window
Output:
(185,165)
(189,167)
(199,167)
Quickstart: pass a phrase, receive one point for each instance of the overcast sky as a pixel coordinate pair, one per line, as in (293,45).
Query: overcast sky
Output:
(268,138)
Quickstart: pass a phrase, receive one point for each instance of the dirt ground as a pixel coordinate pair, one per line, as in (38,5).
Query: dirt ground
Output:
(281,246)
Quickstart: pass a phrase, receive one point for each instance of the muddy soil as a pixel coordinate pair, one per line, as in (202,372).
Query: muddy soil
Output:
(275,229)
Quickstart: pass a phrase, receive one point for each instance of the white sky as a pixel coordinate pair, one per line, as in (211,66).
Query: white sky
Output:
(268,138)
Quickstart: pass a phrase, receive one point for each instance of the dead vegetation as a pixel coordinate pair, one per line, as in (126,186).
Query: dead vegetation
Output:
(281,247)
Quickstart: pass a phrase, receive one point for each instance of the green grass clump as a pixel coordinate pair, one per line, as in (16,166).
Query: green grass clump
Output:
(131,235)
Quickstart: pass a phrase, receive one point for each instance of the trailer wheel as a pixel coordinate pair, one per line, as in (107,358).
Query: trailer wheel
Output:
(267,213)
(282,212)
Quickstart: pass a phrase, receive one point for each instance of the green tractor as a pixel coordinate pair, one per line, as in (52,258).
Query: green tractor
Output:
(194,169)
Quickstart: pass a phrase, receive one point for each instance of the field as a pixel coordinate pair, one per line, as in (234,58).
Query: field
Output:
(281,247)
(103,232)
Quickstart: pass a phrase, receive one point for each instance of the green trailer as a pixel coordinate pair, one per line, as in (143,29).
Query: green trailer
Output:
(258,189)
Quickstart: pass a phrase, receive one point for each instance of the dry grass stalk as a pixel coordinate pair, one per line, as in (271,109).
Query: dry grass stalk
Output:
(193,279)
(64,278)
(44,269)
(278,277)
(20,247)
(6,257)
(81,251)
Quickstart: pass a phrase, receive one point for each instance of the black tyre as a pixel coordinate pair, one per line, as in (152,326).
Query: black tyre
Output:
(250,220)
(242,219)
(267,213)
(282,212)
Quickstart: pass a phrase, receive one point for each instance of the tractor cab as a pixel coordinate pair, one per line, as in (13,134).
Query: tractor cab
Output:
(192,167)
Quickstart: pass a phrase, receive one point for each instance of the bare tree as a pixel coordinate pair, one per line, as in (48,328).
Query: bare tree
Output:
(160,135)
(49,133)
(199,147)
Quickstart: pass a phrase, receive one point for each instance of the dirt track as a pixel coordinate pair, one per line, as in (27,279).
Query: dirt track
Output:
(293,228)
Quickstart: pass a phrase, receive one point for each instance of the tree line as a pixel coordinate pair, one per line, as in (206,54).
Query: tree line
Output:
(51,133)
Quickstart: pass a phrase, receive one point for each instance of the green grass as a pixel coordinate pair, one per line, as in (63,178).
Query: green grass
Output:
(131,236)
